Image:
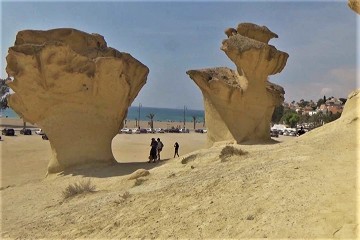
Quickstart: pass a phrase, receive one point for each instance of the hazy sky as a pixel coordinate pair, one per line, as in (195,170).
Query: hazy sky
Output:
(173,37)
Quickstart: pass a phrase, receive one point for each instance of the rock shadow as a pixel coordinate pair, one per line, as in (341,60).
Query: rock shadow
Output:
(113,170)
(256,142)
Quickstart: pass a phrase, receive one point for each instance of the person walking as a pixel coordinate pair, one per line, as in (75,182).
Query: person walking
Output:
(176,146)
(160,146)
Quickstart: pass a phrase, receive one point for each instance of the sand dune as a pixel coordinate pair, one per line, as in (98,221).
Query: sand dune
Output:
(305,187)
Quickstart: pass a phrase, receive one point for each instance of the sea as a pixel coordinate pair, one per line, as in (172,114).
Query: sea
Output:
(160,114)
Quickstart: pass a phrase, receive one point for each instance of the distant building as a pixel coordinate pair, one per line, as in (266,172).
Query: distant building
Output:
(334,102)
(335,109)
(332,105)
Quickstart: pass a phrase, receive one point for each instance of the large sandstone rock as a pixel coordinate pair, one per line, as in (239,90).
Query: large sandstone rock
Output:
(76,89)
(351,110)
(354,5)
(239,104)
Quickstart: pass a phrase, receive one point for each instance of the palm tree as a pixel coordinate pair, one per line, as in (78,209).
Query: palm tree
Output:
(194,119)
(151,117)
(4,91)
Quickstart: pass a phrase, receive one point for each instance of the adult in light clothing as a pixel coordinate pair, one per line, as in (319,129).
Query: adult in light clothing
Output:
(160,146)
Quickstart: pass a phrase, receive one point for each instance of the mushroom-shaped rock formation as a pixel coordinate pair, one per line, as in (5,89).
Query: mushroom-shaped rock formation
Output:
(239,104)
(76,89)
(354,5)
(253,31)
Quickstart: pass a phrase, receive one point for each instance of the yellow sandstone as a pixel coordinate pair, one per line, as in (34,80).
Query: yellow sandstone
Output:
(74,87)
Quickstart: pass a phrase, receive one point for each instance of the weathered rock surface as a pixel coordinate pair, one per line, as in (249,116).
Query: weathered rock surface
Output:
(354,5)
(138,173)
(351,110)
(76,89)
(239,104)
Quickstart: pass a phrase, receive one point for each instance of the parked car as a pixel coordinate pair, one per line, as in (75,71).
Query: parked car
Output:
(274,133)
(172,130)
(201,130)
(143,130)
(44,137)
(184,130)
(150,130)
(126,130)
(136,130)
(8,132)
(292,133)
(159,130)
(39,132)
(26,131)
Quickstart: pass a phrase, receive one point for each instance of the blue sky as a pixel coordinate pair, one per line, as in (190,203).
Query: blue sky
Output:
(173,37)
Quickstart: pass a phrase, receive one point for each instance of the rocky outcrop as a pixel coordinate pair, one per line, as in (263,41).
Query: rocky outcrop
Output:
(239,104)
(76,89)
(351,110)
(354,5)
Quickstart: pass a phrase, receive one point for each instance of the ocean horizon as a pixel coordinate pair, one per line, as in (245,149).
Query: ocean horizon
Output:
(160,114)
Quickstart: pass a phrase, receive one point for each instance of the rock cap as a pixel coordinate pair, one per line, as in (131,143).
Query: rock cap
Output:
(256,32)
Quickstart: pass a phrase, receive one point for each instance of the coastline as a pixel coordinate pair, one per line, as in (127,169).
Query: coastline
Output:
(17,123)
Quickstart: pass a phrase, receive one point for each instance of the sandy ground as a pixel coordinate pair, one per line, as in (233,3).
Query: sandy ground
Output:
(297,187)
(25,158)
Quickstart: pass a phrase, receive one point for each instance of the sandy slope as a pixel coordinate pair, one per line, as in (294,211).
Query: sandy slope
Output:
(305,187)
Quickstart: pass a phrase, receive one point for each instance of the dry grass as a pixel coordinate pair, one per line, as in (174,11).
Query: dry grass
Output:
(122,198)
(125,195)
(80,187)
(187,159)
(139,181)
(250,217)
(230,151)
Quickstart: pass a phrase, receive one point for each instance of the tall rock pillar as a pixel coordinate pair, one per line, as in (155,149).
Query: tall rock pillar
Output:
(239,104)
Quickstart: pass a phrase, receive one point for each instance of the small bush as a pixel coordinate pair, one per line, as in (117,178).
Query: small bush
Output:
(78,188)
(172,175)
(122,198)
(139,181)
(187,159)
(125,195)
(229,151)
(250,217)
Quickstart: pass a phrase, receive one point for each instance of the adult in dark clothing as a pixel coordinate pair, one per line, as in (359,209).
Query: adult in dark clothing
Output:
(176,146)
(301,131)
(153,150)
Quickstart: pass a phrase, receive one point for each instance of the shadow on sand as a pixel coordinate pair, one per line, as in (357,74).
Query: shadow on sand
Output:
(265,142)
(113,170)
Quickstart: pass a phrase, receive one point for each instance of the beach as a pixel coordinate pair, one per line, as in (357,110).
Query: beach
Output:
(290,188)
(96,79)
(33,153)
(127,148)
(17,124)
